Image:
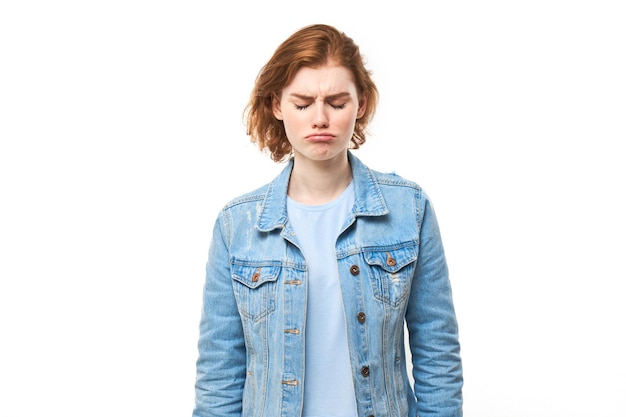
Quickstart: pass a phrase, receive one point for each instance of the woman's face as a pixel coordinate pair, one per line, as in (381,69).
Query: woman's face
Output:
(319,109)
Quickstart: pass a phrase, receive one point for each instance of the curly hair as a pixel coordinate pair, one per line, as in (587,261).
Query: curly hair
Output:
(311,46)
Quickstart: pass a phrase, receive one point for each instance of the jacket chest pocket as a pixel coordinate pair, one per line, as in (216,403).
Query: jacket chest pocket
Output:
(255,289)
(391,271)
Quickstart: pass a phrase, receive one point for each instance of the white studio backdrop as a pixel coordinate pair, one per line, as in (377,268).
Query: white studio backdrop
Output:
(121,137)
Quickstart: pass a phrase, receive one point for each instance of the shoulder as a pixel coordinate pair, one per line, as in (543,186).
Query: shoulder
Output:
(251,197)
(390,180)
(395,185)
(398,190)
(393,179)
(274,191)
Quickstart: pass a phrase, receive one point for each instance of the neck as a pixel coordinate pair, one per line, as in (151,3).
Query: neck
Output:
(318,182)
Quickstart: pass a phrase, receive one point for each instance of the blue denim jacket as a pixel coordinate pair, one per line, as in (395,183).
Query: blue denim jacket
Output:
(392,268)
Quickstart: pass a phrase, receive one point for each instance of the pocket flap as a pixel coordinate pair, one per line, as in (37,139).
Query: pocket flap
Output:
(392,259)
(252,276)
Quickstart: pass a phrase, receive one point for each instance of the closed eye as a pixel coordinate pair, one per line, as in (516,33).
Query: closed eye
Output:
(334,106)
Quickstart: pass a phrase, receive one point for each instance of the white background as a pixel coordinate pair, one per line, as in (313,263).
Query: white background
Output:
(122,136)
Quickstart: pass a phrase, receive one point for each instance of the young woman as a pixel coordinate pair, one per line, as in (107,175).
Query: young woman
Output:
(311,278)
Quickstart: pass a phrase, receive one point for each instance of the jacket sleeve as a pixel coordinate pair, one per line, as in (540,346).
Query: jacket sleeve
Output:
(221,364)
(432,326)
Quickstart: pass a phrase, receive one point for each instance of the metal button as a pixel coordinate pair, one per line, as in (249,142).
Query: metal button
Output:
(256,275)
(390,261)
(354,270)
(365,371)
(361,317)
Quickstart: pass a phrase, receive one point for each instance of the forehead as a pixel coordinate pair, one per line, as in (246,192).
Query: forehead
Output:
(328,78)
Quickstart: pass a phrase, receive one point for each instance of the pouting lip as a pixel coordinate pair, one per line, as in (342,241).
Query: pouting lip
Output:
(319,137)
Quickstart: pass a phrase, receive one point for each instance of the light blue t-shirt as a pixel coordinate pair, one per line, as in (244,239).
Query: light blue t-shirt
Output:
(328,386)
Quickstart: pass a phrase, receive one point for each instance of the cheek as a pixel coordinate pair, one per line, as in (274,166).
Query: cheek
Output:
(292,126)
(347,120)
(294,120)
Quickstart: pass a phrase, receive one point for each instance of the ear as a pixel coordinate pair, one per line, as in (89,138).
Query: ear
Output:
(362,106)
(278,114)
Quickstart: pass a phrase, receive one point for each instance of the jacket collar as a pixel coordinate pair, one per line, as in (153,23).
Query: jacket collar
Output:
(368,198)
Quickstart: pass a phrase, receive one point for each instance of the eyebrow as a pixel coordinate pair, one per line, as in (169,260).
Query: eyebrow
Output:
(331,97)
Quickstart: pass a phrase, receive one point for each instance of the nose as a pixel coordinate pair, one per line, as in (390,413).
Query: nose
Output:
(320,118)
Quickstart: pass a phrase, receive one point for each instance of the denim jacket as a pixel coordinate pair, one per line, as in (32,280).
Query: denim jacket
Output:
(392,270)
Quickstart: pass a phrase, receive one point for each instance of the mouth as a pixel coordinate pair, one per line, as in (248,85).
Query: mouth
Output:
(320,137)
